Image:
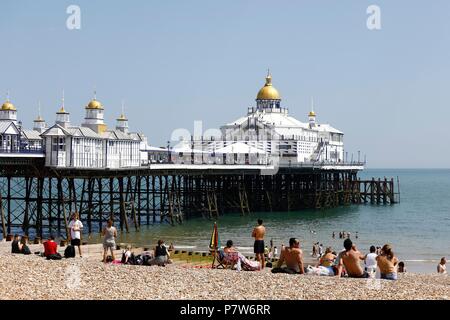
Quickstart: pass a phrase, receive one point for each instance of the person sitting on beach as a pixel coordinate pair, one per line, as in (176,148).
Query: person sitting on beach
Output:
(161,255)
(350,259)
(51,249)
(15,245)
(441,267)
(109,240)
(293,257)
(229,247)
(387,262)
(234,257)
(401,267)
(370,261)
(23,245)
(327,260)
(127,256)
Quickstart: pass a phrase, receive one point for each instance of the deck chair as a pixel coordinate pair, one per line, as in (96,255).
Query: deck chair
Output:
(224,260)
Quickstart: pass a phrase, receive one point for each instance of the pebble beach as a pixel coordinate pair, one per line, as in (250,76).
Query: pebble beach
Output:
(33,277)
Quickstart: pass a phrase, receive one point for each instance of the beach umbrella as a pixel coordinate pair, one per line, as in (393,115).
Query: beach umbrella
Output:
(215,241)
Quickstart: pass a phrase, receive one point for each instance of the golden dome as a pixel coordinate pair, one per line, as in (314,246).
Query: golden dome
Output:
(312,114)
(8,106)
(94,104)
(268,92)
(62,110)
(122,118)
(39,119)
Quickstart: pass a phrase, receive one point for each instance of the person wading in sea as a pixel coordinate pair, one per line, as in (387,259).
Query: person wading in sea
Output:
(259,233)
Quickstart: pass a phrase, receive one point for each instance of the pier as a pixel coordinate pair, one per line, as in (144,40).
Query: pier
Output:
(37,200)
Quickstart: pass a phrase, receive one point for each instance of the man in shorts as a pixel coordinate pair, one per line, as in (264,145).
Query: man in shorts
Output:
(75,227)
(258,233)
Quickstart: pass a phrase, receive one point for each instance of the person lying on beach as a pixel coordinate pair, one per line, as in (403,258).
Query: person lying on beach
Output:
(15,245)
(387,262)
(351,260)
(293,257)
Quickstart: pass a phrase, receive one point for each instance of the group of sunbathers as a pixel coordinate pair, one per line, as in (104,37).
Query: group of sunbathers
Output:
(346,263)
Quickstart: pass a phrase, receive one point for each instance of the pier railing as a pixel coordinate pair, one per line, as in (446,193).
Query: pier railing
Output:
(26,150)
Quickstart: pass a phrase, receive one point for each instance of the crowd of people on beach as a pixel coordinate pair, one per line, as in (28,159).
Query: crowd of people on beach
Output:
(159,256)
(349,262)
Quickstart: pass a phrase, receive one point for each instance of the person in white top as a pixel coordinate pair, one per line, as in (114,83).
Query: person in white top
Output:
(75,227)
(370,261)
(441,267)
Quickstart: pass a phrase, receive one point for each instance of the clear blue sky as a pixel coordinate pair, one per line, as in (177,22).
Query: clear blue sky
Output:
(178,61)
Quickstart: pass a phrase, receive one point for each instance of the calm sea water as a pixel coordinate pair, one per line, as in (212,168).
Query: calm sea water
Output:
(418,227)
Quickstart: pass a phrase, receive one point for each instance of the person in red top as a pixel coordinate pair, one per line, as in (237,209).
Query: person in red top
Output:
(50,247)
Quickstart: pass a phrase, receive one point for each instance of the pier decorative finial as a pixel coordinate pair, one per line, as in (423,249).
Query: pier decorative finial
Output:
(95,93)
(39,108)
(7,95)
(123,107)
(312,104)
(62,99)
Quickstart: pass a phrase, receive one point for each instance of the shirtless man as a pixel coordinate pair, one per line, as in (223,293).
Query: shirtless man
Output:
(293,257)
(350,259)
(258,233)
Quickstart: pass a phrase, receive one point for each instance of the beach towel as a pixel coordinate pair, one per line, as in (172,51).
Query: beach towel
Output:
(320,271)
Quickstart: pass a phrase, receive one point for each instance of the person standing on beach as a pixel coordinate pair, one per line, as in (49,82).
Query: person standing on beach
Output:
(75,227)
(320,250)
(441,267)
(258,233)
(109,240)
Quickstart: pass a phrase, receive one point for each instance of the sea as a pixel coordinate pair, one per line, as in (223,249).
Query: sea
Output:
(418,228)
